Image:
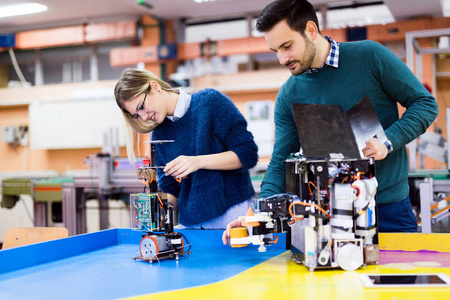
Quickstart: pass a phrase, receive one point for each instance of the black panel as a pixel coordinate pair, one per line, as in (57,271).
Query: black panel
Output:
(324,130)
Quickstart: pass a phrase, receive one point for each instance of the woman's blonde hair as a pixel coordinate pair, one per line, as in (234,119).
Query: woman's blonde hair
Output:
(132,83)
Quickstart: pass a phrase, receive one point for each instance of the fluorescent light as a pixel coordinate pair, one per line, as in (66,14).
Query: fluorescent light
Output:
(202,1)
(21,9)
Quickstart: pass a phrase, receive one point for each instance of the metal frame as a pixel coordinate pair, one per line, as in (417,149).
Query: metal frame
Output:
(414,62)
(74,196)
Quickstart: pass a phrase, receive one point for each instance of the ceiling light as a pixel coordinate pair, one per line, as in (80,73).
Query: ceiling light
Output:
(203,1)
(21,9)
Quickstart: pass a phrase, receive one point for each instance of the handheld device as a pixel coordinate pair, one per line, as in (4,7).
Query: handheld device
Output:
(405,280)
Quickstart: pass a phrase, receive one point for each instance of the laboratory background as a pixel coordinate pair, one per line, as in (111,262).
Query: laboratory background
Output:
(63,160)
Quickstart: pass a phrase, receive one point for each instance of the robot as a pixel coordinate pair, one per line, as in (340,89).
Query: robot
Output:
(152,213)
(328,211)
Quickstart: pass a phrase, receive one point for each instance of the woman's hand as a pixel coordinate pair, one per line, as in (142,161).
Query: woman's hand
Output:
(182,166)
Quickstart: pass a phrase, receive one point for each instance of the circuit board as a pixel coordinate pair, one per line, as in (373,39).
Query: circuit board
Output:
(145,211)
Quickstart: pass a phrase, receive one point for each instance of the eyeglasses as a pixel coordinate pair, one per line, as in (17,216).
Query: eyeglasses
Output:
(137,117)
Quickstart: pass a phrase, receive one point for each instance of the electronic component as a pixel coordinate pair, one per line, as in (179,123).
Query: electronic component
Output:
(152,213)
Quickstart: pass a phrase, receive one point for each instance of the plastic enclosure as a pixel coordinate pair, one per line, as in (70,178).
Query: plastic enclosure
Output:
(144,211)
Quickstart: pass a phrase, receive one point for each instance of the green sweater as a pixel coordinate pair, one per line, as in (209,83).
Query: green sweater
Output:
(366,68)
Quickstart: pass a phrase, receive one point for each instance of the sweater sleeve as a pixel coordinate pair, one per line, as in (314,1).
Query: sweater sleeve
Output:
(401,85)
(286,142)
(231,128)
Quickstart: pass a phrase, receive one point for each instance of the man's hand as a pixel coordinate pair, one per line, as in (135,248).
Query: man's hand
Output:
(226,233)
(375,149)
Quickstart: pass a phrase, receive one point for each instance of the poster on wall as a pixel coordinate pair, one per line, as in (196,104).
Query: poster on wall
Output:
(259,115)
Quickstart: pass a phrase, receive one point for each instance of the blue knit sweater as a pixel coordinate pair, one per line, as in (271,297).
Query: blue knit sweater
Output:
(211,125)
(366,68)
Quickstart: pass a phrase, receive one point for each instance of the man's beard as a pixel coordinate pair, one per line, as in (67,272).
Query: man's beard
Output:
(307,60)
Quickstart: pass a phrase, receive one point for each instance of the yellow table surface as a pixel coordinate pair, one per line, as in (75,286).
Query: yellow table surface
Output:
(282,278)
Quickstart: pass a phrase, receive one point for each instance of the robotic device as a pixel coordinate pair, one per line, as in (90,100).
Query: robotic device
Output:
(153,214)
(328,213)
(328,210)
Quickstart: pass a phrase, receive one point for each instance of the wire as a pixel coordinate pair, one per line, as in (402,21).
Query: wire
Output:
(176,178)
(335,174)
(358,190)
(188,243)
(16,67)
(306,204)
(311,183)
(160,177)
(161,205)
(345,179)
(292,214)
(361,211)
(160,201)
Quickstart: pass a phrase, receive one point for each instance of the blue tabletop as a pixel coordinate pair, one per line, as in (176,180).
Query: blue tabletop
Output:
(100,266)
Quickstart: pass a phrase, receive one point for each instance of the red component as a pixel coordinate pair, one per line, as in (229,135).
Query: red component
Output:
(428,87)
(146,162)
(149,247)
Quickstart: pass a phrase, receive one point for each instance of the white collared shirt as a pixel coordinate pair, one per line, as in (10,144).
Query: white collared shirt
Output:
(184,100)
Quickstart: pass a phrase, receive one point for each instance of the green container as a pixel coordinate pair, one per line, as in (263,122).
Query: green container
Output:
(49,190)
(15,187)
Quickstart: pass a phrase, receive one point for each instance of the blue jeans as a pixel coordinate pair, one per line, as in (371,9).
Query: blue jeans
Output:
(396,217)
(231,214)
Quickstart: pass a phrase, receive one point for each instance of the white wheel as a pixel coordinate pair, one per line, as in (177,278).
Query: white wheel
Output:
(148,247)
(350,257)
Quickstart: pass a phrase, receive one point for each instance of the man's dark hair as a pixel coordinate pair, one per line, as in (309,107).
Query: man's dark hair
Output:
(296,13)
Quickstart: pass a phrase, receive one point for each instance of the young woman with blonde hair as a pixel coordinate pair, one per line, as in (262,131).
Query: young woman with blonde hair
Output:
(212,150)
